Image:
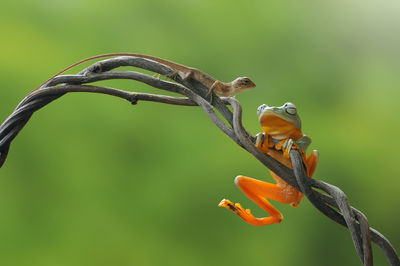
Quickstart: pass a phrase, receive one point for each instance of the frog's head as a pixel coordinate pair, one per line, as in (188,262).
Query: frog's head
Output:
(243,83)
(280,121)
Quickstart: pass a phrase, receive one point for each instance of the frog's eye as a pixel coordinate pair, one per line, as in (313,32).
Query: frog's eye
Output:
(261,108)
(290,108)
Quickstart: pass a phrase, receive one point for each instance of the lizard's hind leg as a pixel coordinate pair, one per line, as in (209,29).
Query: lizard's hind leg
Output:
(187,75)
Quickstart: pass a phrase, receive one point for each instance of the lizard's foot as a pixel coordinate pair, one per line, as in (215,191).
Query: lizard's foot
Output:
(173,75)
(157,75)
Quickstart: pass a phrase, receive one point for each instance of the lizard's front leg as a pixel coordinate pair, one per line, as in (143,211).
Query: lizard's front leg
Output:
(212,89)
(259,191)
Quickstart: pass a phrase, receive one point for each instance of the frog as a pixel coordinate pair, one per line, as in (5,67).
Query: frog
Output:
(281,133)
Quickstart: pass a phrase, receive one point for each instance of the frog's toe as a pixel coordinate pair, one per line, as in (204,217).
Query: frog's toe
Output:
(234,207)
(287,147)
(260,138)
(227,204)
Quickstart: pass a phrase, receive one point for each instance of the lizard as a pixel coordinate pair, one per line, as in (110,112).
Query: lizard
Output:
(234,87)
(281,128)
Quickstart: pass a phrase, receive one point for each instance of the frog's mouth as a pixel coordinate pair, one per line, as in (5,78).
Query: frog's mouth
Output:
(270,113)
(277,125)
(275,120)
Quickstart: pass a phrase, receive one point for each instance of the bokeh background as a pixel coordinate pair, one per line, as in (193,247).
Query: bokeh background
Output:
(92,180)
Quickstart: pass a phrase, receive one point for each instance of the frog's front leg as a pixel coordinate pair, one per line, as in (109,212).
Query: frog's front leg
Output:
(259,191)
(264,142)
(286,146)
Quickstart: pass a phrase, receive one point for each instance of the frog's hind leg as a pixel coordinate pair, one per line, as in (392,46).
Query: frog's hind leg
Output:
(311,162)
(258,191)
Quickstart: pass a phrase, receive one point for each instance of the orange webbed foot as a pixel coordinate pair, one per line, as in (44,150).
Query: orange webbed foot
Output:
(246,215)
(238,209)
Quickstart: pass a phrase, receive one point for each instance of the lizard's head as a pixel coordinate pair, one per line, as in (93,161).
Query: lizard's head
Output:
(243,84)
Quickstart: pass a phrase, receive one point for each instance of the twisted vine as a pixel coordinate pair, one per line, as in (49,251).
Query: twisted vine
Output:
(333,203)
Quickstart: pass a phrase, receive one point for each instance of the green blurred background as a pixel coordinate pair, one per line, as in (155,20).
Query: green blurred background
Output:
(92,180)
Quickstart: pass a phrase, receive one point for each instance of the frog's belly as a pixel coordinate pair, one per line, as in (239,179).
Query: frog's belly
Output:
(277,155)
(292,195)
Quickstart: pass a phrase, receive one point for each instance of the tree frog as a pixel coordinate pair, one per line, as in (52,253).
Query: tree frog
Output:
(281,132)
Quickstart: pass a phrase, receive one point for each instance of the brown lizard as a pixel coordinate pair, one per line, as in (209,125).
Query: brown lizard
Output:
(222,88)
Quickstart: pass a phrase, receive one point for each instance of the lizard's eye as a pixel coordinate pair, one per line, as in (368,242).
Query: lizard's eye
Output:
(290,108)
